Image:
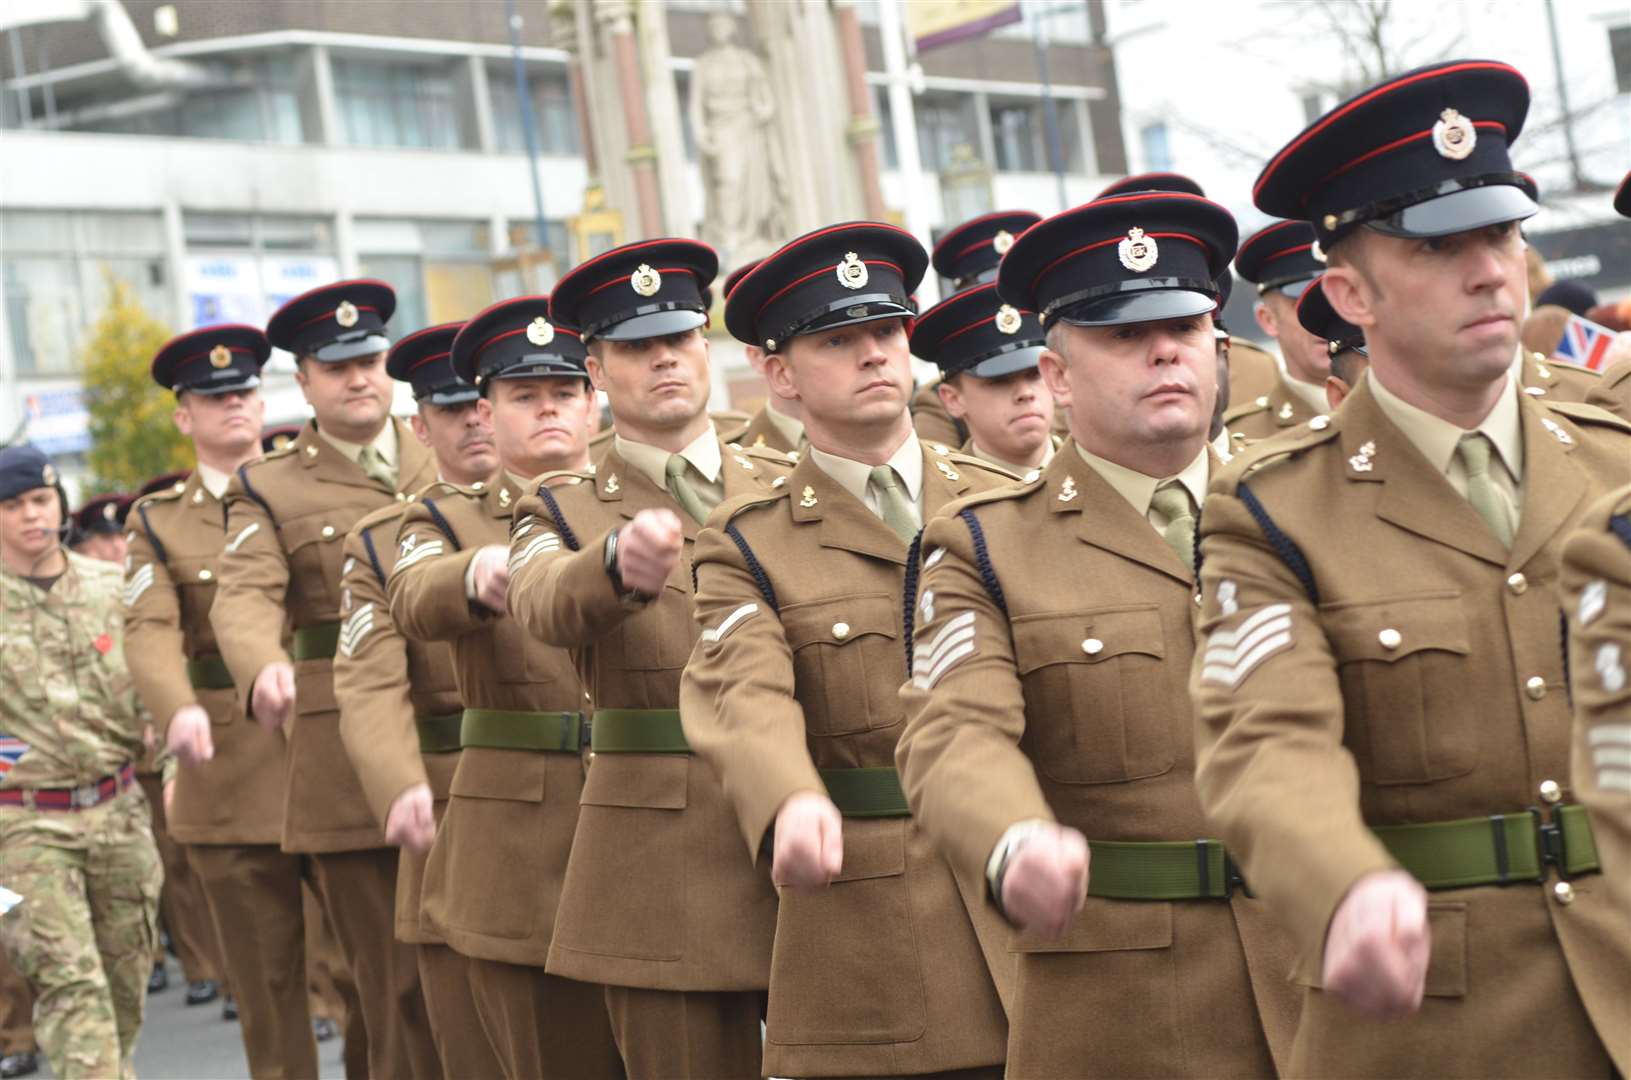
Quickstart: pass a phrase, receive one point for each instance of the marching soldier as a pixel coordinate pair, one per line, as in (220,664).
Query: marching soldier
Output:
(791,694)
(75,837)
(399,711)
(659,902)
(97,531)
(514,804)
(1279,259)
(227,799)
(1047,718)
(778,425)
(1386,752)
(1344,341)
(287,518)
(1597,601)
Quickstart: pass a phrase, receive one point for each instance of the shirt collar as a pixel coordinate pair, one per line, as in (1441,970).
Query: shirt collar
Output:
(1437,438)
(790,429)
(213,480)
(702,453)
(384,442)
(1139,489)
(853,476)
(1310,395)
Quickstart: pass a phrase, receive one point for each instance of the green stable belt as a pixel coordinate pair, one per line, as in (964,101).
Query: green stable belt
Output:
(438,734)
(209,673)
(1493,850)
(1161,870)
(316,642)
(866,793)
(506,729)
(637,731)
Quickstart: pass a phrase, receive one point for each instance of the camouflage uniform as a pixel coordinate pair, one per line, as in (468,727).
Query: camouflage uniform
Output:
(85,933)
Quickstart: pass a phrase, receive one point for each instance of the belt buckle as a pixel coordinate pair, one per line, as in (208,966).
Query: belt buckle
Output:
(85,796)
(585,731)
(1550,844)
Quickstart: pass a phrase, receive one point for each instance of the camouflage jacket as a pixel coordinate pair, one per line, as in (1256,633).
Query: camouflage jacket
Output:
(67,704)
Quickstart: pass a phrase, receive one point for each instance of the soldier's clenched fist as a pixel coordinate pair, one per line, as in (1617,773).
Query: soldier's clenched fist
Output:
(1046,880)
(809,844)
(273,694)
(648,548)
(1377,946)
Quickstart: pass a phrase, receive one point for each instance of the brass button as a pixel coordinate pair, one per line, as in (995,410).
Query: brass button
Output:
(1551,791)
(591,756)
(311,451)
(1564,892)
(1535,687)
(1390,638)
(401,496)
(840,630)
(204,575)
(1197,599)
(1518,584)
(1092,646)
(477,486)
(1262,402)
(328,531)
(1320,423)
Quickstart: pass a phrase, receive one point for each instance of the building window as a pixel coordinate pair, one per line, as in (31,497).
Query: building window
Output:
(888,158)
(262,106)
(944,122)
(396,104)
(554,118)
(1619,45)
(56,266)
(1157,153)
(1019,134)
(441,270)
(243,267)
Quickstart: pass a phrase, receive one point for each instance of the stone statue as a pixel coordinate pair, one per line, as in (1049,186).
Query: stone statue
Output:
(733,120)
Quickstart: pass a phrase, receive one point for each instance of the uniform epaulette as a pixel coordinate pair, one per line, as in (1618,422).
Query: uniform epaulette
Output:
(1582,413)
(561,475)
(169,494)
(969,461)
(379,516)
(1548,364)
(750,457)
(1013,489)
(734,508)
(448,487)
(1249,408)
(1281,448)
(283,451)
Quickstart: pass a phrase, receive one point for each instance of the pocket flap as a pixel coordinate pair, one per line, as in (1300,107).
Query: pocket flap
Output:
(1087,637)
(1446,962)
(841,621)
(873,849)
(499,774)
(1106,926)
(312,529)
(1389,630)
(643,781)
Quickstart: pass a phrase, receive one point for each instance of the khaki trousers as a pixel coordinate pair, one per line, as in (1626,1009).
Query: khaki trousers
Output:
(542,1025)
(687,1035)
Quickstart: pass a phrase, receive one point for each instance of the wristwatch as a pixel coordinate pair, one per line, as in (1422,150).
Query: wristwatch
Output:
(609,562)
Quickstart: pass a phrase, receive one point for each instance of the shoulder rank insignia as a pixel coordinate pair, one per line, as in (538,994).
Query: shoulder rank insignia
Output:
(1361,462)
(1067,490)
(808,499)
(1286,411)
(503,496)
(612,486)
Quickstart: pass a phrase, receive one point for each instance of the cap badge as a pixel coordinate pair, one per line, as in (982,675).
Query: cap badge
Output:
(1008,319)
(1317,252)
(1002,241)
(1454,136)
(1138,252)
(48,474)
(645,280)
(220,357)
(503,496)
(346,314)
(852,272)
(947,471)
(109,510)
(808,498)
(539,332)
(1361,462)
(1067,490)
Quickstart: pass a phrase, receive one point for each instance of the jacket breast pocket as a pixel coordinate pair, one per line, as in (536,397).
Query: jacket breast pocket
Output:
(657,638)
(1108,711)
(1409,715)
(847,662)
(314,545)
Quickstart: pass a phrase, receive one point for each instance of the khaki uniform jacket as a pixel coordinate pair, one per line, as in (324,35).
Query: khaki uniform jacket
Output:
(1613,390)
(1253,371)
(287,518)
(1597,600)
(384,682)
(659,893)
(762,433)
(1555,381)
(881,974)
(1066,700)
(495,872)
(236,797)
(929,416)
(1254,419)
(1423,683)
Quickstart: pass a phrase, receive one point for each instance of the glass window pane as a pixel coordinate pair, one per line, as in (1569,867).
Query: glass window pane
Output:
(141,233)
(217,231)
(395,104)
(296,233)
(402,273)
(46,231)
(456,291)
(43,311)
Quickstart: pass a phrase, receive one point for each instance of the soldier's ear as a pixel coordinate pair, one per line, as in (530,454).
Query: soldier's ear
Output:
(1265,319)
(1052,366)
(1350,295)
(779,376)
(951,397)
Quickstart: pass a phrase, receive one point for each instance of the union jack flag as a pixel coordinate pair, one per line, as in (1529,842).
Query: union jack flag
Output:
(11,748)
(1585,343)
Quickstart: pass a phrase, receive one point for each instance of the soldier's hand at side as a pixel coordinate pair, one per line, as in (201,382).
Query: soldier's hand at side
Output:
(648,549)
(490,577)
(273,694)
(1046,881)
(167,794)
(410,823)
(809,844)
(189,737)
(1377,946)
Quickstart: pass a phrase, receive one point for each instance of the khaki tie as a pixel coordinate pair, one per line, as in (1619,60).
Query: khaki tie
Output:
(679,486)
(1474,451)
(374,464)
(893,506)
(1171,501)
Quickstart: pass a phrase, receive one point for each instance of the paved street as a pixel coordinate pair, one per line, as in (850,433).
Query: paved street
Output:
(181,1043)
